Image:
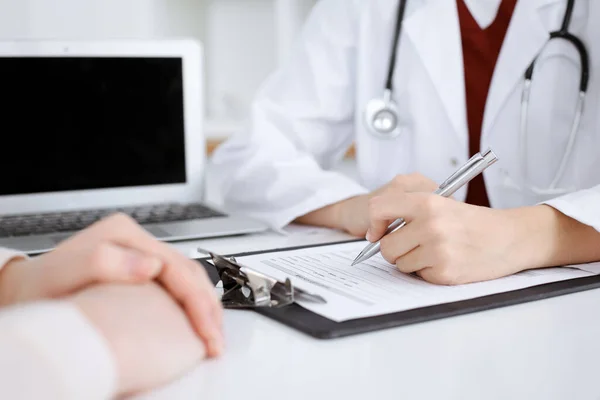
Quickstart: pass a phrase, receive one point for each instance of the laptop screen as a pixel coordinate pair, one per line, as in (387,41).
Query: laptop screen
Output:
(90,123)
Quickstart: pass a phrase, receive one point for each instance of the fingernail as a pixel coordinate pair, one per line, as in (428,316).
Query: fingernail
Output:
(368,236)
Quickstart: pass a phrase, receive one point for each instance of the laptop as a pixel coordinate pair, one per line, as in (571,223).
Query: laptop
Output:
(93,128)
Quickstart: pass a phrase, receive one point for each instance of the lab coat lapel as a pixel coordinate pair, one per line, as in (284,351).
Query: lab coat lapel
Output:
(433,28)
(525,38)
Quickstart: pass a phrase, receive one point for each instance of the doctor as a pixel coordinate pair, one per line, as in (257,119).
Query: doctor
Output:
(419,86)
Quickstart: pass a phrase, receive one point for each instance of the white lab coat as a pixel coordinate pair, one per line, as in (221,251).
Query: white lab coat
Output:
(311,109)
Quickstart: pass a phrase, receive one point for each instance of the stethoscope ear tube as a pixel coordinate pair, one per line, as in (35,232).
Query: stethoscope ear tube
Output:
(394,51)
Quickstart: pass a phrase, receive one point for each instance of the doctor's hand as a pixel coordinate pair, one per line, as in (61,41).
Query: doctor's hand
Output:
(449,242)
(353,214)
(117,250)
(151,340)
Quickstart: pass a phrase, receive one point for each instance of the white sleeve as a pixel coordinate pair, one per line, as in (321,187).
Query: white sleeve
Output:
(583,205)
(301,125)
(49,350)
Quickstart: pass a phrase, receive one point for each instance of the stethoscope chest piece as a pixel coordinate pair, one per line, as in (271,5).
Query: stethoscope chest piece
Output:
(382,117)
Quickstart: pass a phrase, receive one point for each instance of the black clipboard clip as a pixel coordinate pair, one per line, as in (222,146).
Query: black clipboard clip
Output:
(245,288)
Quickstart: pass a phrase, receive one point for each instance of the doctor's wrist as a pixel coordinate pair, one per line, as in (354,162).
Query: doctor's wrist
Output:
(532,234)
(545,237)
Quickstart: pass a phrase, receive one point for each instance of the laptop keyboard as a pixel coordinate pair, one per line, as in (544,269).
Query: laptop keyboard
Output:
(39,224)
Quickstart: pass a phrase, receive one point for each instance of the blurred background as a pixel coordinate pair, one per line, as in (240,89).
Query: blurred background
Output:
(243,39)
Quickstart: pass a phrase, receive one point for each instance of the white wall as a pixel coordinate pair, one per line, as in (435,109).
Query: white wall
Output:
(243,38)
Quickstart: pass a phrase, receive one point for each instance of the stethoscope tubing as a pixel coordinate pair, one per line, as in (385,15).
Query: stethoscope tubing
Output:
(388,105)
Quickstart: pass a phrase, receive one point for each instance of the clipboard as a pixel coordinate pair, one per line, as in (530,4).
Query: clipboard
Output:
(295,316)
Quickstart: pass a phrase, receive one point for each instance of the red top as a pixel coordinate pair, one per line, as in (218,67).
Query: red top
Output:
(481,48)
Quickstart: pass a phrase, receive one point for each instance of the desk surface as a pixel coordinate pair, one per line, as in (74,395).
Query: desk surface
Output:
(548,349)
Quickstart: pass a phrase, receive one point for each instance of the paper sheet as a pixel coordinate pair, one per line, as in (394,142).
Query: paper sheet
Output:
(376,287)
(592,267)
(290,236)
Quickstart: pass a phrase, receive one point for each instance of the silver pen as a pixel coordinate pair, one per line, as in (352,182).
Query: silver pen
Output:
(475,166)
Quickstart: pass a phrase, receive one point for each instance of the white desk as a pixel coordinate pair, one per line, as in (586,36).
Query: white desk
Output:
(548,350)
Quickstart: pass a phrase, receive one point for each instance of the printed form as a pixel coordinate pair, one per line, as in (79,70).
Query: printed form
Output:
(376,287)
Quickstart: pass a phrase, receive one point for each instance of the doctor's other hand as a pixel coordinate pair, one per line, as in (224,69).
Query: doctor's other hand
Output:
(449,242)
(352,215)
(148,334)
(117,250)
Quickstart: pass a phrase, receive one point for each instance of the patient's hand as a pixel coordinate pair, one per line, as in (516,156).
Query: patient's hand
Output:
(117,250)
(151,339)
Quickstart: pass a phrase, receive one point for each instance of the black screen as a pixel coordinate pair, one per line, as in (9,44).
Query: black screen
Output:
(90,123)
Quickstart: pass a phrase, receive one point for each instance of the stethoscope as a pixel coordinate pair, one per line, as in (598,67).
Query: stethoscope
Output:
(382,116)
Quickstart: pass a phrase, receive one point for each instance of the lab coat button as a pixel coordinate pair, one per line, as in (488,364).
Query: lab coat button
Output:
(454,162)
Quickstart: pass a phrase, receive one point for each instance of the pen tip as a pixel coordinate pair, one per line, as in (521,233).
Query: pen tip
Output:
(354,262)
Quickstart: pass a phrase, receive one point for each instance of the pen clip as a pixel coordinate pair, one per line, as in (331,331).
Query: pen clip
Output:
(468,165)
(477,168)
(489,157)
